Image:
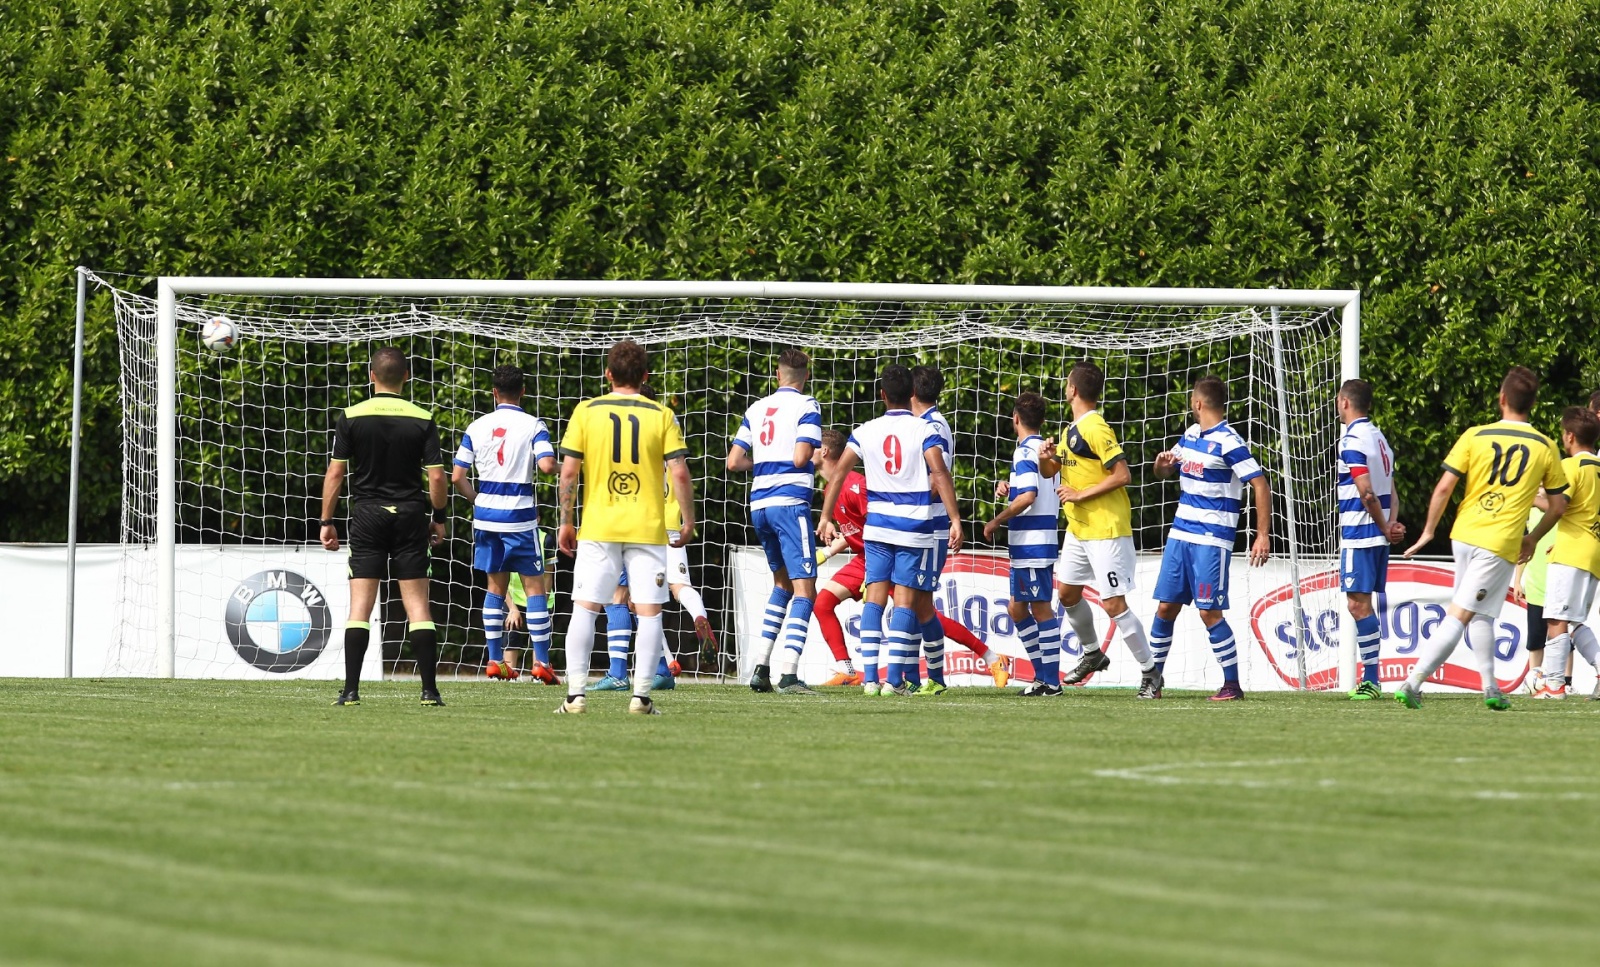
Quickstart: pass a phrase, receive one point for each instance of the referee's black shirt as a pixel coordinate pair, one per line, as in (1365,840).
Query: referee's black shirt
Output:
(388,444)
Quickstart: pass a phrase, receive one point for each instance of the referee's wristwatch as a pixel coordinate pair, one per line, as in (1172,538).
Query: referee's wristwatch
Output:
(328,523)
(439,516)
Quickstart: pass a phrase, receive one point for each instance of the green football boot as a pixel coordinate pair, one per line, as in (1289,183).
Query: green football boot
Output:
(1366,692)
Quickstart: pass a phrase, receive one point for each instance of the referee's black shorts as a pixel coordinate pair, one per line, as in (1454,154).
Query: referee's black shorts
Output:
(389,540)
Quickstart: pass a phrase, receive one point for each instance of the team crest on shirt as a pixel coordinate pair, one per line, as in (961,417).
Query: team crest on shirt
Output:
(623,484)
(1492,501)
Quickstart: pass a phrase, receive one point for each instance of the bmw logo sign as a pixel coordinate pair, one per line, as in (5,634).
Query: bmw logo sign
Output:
(278,621)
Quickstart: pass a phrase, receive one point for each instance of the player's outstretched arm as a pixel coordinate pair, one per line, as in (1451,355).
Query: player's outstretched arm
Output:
(1558,507)
(826,530)
(1261,549)
(332,483)
(683,486)
(1436,505)
(567,501)
(939,477)
(463,483)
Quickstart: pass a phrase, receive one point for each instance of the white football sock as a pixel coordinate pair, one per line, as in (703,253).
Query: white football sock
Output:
(648,644)
(1556,649)
(580,643)
(1132,631)
(692,602)
(1436,648)
(1481,640)
(1080,617)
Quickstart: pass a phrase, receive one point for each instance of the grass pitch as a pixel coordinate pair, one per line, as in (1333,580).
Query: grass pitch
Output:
(207,822)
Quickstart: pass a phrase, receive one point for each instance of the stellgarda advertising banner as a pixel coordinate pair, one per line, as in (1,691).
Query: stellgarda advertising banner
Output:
(974,591)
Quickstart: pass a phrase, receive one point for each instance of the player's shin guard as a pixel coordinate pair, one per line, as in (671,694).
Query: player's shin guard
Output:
(1368,641)
(1080,618)
(1436,648)
(494,625)
(1226,650)
(539,628)
(425,649)
(1160,641)
(580,642)
(871,641)
(772,624)
(691,601)
(828,623)
(794,635)
(619,634)
(1588,646)
(356,636)
(903,639)
(651,640)
(1132,631)
(1028,634)
(1556,650)
(1050,651)
(933,645)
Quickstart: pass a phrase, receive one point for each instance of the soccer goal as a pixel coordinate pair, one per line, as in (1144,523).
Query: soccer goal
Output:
(224,453)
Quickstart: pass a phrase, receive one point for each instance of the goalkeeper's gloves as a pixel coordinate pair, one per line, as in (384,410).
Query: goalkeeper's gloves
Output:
(823,554)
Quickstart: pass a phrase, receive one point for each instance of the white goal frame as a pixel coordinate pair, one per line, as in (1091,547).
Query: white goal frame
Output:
(169,288)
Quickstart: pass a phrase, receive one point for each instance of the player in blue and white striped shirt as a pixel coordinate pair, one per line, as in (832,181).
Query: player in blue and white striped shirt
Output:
(1030,518)
(1368,523)
(902,458)
(503,447)
(775,442)
(1213,463)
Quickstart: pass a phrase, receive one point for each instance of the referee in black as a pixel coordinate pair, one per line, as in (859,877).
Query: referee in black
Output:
(386,445)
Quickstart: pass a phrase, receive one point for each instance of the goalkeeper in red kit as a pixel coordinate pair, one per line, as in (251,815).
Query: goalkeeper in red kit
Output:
(846,583)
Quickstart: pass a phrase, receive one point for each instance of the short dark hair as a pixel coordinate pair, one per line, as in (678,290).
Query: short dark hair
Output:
(794,360)
(833,441)
(390,366)
(648,390)
(628,362)
(1359,393)
(927,383)
(508,381)
(1582,424)
(1212,391)
(896,384)
(1521,388)
(1594,401)
(1088,380)
(1031,409)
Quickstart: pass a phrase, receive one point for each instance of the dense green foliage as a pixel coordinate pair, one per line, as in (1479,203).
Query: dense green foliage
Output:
(1438,156)
(170,823)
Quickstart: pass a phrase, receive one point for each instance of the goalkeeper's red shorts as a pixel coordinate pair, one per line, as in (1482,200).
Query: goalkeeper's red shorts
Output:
(852,576)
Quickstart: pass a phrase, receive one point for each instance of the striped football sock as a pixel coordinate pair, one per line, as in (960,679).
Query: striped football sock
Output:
(871,640)
(1028,634)
(1160,641)
(619,635)
(795,627)
(772,624)
(494,626)
(1222,645)
(1367,643)
(539,628)
(933,644)
(1050,650)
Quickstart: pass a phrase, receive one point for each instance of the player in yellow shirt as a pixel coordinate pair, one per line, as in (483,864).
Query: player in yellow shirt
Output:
(1097,549)
(621,445)
(1573,573)
(1504,465)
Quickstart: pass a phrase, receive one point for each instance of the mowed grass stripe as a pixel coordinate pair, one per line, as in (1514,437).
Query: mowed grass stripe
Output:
(187,822)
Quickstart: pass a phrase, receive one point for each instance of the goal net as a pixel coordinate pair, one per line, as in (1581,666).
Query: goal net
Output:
(224,454)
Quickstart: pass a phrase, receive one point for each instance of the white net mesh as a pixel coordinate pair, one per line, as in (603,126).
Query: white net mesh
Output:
(254,426)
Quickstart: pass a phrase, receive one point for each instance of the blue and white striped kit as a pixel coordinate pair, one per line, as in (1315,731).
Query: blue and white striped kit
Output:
(899,503)
(1213,467)
(505,447)
(769,432)
(1363,445)
(1032,533)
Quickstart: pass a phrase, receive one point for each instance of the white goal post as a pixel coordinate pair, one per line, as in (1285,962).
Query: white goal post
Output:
(1266,304)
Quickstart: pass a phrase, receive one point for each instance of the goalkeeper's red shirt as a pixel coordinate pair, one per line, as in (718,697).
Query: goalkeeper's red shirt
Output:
(850,513)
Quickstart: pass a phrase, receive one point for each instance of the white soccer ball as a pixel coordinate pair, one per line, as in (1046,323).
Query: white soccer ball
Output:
(218,334)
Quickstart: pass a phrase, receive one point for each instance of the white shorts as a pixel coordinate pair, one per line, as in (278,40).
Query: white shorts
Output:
(1482,579)
(599,565)
(677,562)
(1568,594)
(1104,565)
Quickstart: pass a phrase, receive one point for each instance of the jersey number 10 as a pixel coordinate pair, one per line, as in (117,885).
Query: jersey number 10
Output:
(1500,466)
(616,438)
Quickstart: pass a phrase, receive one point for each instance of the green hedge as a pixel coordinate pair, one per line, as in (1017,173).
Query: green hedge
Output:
(1438,156)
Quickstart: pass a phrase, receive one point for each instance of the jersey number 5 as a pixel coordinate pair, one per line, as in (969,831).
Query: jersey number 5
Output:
(1501,466)
(894,455)
(769,430)
(616,438)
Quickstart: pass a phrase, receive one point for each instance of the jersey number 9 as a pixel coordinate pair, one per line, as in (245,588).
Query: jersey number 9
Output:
(894,456)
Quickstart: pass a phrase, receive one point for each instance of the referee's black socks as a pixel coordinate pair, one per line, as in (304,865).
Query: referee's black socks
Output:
(356,636)
(425,649)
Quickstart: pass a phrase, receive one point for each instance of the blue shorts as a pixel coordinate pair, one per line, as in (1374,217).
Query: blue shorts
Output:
(941,550)
(908,567)
(785,534)
(1194,572)
(514,552)
(1363,570)
(1032,583)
